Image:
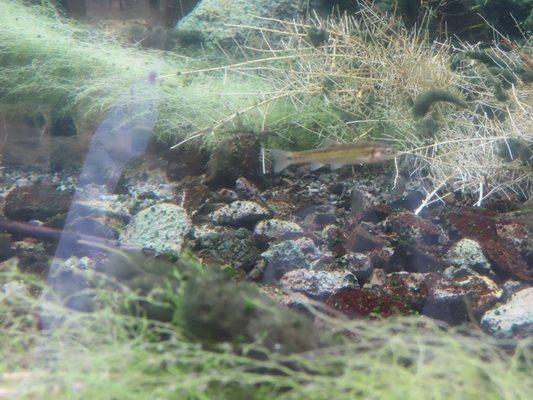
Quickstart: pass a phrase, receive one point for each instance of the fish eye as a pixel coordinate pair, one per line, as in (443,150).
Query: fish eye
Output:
(388,151)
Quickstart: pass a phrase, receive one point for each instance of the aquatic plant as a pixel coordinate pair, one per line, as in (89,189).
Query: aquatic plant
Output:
(51,64)
(423,102)
(115,353)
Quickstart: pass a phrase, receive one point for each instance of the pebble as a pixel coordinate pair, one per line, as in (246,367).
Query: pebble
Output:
(239,213)
(161,228)
(513,319)
(278,229)
(318,284)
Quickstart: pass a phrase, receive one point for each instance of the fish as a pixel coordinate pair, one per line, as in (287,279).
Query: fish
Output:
(361,152)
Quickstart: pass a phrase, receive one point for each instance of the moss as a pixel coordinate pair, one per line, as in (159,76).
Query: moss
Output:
(499,92)
(424,102)
(481,56)
(505,76)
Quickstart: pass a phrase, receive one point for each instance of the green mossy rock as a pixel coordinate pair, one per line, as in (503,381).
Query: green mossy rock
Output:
(209,22)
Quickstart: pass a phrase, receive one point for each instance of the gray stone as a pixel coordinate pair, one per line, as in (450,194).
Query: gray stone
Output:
(359,264)
(239,213)
(277,229)
(288,255)
(210,19)
(227,246)
(513,319)
(318,284)
(466,258)
(161,228)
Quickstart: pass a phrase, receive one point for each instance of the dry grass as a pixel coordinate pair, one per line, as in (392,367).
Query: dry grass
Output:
(362,80)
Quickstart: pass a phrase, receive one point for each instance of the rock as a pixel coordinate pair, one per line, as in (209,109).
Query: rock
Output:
(186,160)
(93,226)
(32,257)
(288,255)
(481,226)
(318,284)
(335,239)
(13,291)
(513,319)
(414,258)
(227,246)
(510,287)
(239,213)
(95,200)
(466,258)
(412,228)
(161,228)
(225,195)
(5,246)
(358,264)
(191,193)
(209,20)
(41,201)
(357,303)
(278,229)
(360,240)
(319,220)
(236,157)
(437,296)
(246,188)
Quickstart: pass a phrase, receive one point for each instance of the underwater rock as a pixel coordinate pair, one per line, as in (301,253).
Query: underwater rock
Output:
(211,20)
(466,258)
(93,226)
(246,188)
(41,201)
(285,256)
(318,284)
(482,226)
(358,303)
(359,265)
(225,195)
(437,296)
(161,228)
(186,160)
(95,200)
(216,309)
(412,228)
(5,246)
(413,258)
(226,246)
(239,213)
(191,193)
(273,229)
(32,257)
(360,240)
(513,319)
(238,156)
(511,287)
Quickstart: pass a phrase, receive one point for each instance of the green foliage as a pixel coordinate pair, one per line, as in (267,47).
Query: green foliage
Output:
(111,353)
(48,63)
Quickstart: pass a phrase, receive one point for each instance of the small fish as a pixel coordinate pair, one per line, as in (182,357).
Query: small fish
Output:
(362,152)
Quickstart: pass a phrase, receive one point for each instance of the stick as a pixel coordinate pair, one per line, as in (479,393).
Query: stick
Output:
(53,235)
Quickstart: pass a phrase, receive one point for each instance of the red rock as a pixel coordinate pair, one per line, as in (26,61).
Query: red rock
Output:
(40,201)
(357,303)
(481,226)
(413,228)
(437,296)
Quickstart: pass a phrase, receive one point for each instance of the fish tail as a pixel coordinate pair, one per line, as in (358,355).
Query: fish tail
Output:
(281,159)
